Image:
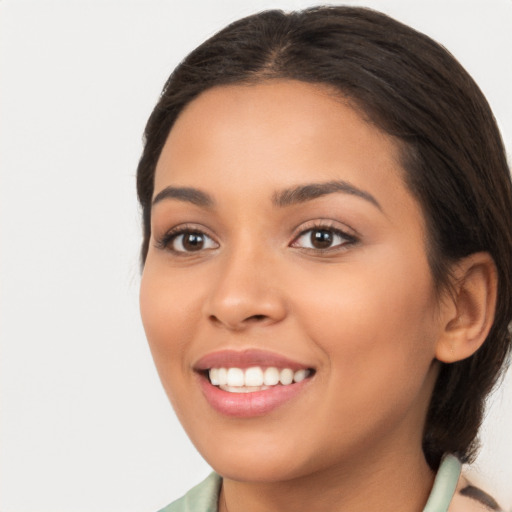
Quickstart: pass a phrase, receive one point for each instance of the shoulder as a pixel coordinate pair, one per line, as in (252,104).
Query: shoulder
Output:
(469,498)
(201,498)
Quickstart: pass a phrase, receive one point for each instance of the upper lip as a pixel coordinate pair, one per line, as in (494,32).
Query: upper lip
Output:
(246,359)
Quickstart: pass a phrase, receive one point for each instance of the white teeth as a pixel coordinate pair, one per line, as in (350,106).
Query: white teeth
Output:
(222,376)
(300,375)
(235,377)
(271,376)
(254,378)
(243,389)
(286,376)
(214,376)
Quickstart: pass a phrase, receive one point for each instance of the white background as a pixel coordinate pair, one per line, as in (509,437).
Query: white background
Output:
(85,425)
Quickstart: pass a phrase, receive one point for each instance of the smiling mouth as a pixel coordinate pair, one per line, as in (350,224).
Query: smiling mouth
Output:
(252,382)
(255,378)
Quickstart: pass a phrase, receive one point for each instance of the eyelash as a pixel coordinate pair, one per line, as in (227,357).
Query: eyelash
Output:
(347,239)
(167,240)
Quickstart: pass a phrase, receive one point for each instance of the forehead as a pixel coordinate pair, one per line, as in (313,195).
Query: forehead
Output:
(277,133)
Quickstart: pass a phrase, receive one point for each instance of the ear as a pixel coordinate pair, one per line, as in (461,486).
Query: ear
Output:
(468,312)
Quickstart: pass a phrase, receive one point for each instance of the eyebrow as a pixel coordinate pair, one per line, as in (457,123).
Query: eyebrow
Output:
(310,191)
(287,197)
(186,194)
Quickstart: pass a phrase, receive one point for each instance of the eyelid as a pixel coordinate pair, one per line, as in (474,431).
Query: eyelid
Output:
(164,241)
(328,224)
(348,234)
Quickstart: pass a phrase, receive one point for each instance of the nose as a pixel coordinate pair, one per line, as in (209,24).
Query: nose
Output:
(245,292)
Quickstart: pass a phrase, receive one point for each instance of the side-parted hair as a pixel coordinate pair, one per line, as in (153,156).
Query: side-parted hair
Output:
(451,153)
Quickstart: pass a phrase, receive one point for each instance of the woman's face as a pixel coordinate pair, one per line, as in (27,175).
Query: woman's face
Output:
(284,238)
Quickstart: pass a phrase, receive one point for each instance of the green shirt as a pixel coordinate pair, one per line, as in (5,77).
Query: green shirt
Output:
(205,496)
(201,498)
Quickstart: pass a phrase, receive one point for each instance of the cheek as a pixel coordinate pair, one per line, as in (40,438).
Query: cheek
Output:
(375,324)
(169,316)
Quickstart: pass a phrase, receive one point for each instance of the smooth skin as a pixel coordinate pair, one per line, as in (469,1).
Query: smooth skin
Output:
(362,311)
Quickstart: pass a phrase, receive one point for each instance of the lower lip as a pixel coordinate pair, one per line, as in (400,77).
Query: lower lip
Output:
(247,405)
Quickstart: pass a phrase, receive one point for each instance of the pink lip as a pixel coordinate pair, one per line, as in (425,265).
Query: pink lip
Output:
(247,405)
(246,359)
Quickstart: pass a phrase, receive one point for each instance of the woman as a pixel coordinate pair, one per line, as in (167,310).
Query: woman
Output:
(326,254)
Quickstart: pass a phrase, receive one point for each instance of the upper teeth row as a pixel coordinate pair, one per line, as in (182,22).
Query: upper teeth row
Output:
(255,376)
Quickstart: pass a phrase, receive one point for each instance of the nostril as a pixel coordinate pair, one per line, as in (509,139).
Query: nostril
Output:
(256,318)
(238,325)
(214,319)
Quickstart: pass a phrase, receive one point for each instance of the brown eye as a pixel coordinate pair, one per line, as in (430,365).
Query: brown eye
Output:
(323,239)
(191,241)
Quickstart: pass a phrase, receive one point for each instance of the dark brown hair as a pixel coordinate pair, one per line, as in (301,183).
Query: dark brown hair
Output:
(451,152)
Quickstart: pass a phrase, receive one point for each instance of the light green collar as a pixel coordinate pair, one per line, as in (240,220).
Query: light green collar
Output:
(204,497)
(444,485)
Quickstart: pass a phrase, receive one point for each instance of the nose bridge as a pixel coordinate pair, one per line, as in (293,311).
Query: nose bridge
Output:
(246,289)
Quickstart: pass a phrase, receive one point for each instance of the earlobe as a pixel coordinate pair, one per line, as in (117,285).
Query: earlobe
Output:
(470,313)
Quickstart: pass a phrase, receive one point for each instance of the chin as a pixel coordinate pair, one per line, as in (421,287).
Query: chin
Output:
(254,469)
(254,460)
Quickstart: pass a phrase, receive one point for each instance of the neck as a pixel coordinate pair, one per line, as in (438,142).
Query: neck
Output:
(396,482)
